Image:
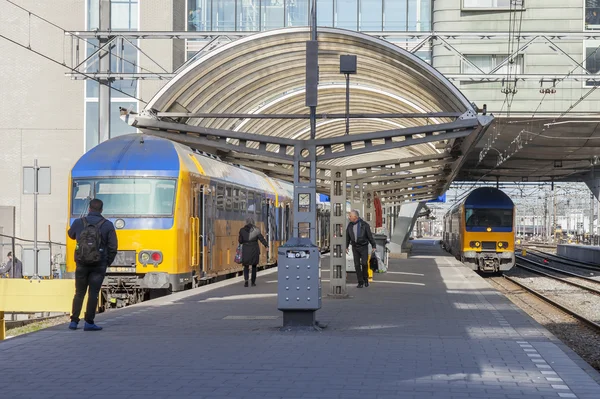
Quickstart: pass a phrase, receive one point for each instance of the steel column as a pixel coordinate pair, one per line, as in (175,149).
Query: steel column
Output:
(338,233)
(104,67)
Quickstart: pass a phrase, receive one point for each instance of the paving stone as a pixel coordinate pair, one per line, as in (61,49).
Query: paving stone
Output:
(453,337)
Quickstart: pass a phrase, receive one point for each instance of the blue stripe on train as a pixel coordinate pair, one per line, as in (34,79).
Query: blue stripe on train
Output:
(143,223)
(494,229)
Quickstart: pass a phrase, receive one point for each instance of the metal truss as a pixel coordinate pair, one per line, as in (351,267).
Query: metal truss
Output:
(415,41)
(327,148)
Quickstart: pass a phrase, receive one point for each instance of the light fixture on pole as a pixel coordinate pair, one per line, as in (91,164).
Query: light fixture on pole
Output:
(348,67)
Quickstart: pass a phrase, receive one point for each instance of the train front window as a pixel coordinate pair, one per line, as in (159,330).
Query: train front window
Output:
(133,197)
(489,217)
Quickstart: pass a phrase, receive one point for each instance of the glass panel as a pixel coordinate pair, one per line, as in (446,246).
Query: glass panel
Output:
(394,17)
(413,16)
(223,15)
(272,14)
(251,205)
(93,16)
(592,64)
(425,17)
(117,126)
(220,197)
(91,125)
(346,13)
(228,198)
(371,15)
(489,217)
(297,13)
(324,13)
(123,14)
(81,194)
(248,15)
(592,14)
(198,15)
(486,3)
(130,197)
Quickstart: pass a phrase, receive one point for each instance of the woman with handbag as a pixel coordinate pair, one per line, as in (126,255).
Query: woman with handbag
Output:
(248,239)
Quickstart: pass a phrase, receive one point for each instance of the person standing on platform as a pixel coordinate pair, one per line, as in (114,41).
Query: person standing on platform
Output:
(359,234)
(248,239)
(13,267)
(96,250)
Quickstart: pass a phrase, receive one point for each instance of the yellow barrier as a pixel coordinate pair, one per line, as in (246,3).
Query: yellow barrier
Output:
(20,295)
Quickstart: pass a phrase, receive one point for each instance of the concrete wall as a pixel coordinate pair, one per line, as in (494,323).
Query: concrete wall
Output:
(539,16)
(41,112)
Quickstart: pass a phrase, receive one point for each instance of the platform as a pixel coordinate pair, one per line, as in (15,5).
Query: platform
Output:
(429,328)
(581,253)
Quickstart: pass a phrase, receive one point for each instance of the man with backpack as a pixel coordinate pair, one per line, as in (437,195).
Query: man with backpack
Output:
(96,250)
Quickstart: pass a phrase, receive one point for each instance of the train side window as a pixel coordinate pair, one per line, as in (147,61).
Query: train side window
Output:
(228,198)
(259,203)
(242,197)
(236,199)
(220,196)
(250,206)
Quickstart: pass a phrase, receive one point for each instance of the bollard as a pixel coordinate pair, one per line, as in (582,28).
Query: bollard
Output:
(524,252)
(2,327)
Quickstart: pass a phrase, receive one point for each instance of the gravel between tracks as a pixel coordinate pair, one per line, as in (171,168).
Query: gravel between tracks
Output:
(580,281)
(583,302)
(573,333)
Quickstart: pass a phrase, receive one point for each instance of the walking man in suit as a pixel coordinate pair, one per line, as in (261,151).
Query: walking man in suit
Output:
(359,234)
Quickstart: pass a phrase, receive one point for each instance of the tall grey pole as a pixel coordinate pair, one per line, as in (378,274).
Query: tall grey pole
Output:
(35,219)
(313,38)
(104,67)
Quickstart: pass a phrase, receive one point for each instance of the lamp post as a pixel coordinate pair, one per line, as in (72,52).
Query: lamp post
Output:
(348,67)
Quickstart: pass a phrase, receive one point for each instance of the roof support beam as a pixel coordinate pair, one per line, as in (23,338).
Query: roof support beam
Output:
(208,115)
(390,174)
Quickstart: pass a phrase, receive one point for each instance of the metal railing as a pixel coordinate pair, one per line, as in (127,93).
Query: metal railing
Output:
(54,254)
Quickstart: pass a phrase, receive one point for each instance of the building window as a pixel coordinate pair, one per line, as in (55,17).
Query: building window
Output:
(488,62)
(371,15)
(491,4)
(198,15)
(297,12)
(592,61)
(325,13)
(272,14)
(223,15)
(346,14)
(123,59)
(248,15)
(592,14)
(406,15)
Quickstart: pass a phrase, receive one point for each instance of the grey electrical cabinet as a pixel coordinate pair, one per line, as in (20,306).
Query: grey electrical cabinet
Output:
(299,275)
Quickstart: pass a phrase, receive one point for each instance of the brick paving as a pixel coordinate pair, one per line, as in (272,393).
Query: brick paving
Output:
(429,328)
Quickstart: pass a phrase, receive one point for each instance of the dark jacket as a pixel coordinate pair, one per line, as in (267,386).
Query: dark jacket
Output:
(15,271)
(107,233)
(250,248)
(364,235)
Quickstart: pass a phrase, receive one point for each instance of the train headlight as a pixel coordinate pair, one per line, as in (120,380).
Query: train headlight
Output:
(500,245)
(503,244)
(144,257)
(119,223)
(474,244)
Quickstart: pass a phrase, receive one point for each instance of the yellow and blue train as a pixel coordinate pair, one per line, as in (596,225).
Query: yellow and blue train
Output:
(177,213)
(479,230)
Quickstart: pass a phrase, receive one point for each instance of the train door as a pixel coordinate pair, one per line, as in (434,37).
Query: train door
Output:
(208,230)
(196,227)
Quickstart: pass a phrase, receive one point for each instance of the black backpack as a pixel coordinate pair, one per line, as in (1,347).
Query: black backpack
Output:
(89,242)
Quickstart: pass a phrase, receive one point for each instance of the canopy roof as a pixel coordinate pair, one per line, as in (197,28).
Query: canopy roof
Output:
(265,74)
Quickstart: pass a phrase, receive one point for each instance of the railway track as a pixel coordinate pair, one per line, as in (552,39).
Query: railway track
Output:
(574,294)
(563,260)
(589,283)
(566,309)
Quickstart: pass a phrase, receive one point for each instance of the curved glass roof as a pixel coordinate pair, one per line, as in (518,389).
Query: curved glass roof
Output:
(265,74)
